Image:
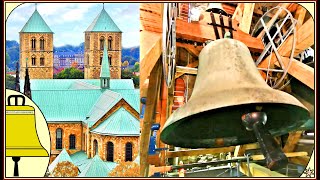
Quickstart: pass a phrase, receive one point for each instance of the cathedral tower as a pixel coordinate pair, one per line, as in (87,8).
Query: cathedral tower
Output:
(36,44)
(102,30)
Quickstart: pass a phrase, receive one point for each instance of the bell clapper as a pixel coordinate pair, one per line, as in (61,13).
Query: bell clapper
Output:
(272,152)
(16,168)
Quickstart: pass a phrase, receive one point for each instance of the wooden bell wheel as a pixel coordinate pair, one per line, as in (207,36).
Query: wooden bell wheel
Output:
(169,42)
(274,32)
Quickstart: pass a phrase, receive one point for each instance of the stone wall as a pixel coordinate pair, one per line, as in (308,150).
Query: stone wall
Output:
(119,146)
(67,129)
(36,71)
(93,52)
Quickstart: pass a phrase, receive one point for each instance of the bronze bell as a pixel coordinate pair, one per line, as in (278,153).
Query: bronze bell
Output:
(227,89)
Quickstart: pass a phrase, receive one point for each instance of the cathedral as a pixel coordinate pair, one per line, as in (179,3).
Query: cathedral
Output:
(93,120)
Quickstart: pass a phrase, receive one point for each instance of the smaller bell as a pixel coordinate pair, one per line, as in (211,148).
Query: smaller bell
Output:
(21,134)
(216,8)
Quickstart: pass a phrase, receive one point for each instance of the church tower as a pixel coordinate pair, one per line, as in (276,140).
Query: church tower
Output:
(102,30)
(36,44)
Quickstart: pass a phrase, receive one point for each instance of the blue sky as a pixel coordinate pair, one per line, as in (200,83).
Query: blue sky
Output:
(68,21)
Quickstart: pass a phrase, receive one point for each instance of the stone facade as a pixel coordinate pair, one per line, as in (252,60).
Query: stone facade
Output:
(83,136)
(119,146)
(94,52)
(36,70)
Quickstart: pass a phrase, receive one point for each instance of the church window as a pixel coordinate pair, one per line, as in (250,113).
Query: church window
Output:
(109,42)
(41,43)
(101,42)
(110,151)
(110,58)
(87,43)
(33,60)
(128,152)
(101,56)
(33,44)
(95,147)
(42,61)
(59,139)
(72,141)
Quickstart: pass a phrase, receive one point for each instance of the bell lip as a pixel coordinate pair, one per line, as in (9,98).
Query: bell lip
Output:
(18,152)
(213,141)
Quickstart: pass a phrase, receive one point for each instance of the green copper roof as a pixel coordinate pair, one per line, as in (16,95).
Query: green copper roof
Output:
(73,100)
(63,156)
(65,105)
(120,123)
(97,168)
(131,96)
(105,69)
(103,23)
(74,84)
(36,24)
(84,164)
(105,102)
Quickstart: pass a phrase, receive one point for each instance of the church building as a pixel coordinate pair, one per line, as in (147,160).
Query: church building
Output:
(97,116)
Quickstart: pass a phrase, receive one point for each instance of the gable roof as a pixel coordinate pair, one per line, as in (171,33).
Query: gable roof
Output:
(120,123)
(36,24)
(63,156)
(104,103)
(105,69)
(103,23)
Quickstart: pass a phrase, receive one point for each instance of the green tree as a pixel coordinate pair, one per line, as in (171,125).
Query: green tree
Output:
(70,73)
(136,67)
(10,82)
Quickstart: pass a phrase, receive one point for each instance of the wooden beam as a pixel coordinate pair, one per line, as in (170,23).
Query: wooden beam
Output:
(186,70)
(150,52)
(246,19)
(305,38)
(258,171)
(300,71)
(274,18)
(238,13)
(152,95)
(300,15)
(193,50)
(191,65)
(201,33)
(302,160)
(292,141)
(195,152)
(288,154)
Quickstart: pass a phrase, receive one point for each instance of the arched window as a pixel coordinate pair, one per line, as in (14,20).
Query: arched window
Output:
(109,43)
(72,141)
(101,42)
(128,152)
(109,59)
(109,151)
(33,60)
(95,147)
(41,61)
(41,44)
(33,43)
(101,56)
(59,138)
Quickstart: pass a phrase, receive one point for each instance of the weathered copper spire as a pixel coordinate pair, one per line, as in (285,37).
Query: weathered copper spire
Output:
(27,88)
